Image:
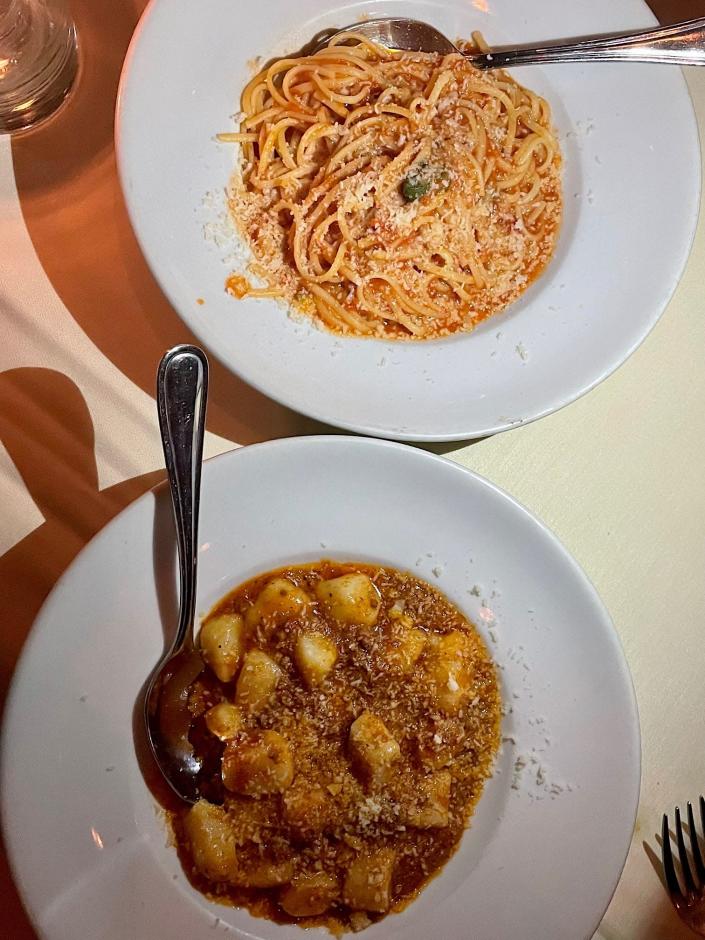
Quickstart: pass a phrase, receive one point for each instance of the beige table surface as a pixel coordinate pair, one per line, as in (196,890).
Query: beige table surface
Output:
(618,475)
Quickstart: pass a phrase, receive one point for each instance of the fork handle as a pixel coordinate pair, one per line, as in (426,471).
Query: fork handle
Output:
(680,44)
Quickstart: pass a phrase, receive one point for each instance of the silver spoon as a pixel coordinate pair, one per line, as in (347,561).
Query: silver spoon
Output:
(681,44)
(182,390)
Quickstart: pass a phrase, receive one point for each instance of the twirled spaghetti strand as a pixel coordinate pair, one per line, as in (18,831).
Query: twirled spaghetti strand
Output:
(394,194)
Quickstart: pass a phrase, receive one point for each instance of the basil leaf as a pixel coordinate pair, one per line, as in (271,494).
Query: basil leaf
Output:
(414,187)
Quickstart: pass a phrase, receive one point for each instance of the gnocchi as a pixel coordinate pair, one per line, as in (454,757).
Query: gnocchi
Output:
(258,763)
(257,681)
(212,841)
(309,895)
(306,807)
(408,643)
(221,641)
(368,883)
(432,808)
(280,600)
(315,655)
(263,874)
(351,598)
(372,748)
(450,670)
(223,720)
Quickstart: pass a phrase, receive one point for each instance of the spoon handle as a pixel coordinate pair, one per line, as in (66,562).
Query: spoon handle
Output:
(182,391)
(680,44)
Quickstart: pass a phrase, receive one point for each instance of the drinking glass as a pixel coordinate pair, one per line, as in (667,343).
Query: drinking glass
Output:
(38,60)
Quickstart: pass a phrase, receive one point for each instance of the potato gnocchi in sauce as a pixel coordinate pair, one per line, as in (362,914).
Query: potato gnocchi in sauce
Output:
(347,716)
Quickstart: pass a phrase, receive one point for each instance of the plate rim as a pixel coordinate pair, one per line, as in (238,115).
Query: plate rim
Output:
(314,410)
(325,440)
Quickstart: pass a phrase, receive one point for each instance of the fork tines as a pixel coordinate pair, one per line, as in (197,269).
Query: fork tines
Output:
(694,883)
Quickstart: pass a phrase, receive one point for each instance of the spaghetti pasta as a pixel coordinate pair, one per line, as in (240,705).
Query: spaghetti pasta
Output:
(394,194)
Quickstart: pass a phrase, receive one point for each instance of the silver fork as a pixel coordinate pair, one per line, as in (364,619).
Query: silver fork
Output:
(689,903)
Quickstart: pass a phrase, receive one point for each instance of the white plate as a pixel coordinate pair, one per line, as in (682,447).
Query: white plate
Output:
(631,187)
(541,859)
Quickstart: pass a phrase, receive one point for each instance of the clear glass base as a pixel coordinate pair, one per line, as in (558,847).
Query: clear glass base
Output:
(38,64)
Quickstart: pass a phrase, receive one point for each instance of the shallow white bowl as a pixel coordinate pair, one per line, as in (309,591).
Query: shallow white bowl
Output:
(547,843)
(632,180)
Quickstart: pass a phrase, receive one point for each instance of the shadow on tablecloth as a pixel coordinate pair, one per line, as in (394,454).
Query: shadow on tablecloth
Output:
(73,208)
(46,428)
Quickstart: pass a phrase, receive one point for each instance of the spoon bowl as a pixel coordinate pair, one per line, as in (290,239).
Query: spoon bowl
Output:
(398,33)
